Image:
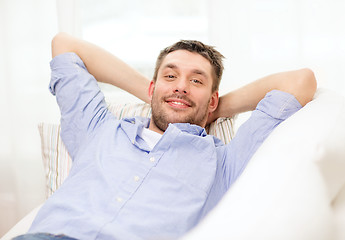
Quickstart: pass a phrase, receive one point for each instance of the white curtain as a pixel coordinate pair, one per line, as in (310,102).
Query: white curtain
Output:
(26,30)
(260,37)
(68,17)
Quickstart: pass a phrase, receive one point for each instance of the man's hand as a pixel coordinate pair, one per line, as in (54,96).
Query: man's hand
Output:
(216,114)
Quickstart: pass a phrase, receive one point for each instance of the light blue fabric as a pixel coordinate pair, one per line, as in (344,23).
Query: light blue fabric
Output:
(42,236)
(118,188)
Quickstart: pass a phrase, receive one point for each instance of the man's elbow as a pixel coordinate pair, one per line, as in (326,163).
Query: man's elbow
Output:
(303,85)
(61,43)
(306,86)
(308,78)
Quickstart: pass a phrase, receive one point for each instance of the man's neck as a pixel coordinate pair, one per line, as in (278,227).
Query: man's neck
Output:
(154,128)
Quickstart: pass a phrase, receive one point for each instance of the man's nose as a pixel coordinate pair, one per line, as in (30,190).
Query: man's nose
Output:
(182,86)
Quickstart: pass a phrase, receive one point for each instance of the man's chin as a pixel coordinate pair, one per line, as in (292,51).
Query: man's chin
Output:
(163,124)
(179,120)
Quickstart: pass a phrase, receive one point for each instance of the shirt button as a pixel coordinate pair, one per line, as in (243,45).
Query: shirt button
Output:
(152,159)
(136,178)
(118,199)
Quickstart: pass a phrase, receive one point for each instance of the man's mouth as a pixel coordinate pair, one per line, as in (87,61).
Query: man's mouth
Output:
(178,102)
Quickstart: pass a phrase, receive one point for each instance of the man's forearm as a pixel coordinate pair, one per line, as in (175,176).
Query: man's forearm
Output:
(300,83)
(104,66)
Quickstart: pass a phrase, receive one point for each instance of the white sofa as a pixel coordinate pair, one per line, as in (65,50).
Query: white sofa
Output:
(293,188)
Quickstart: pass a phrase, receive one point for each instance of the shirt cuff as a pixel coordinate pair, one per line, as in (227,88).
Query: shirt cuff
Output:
(69,62)
(279,104)
(65,60)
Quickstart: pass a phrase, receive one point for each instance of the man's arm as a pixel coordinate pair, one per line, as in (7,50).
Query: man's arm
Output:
(300,83)
(104,66)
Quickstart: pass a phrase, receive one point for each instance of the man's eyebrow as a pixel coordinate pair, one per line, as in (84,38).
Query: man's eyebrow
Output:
(195,71)
(200,72)
(170,65)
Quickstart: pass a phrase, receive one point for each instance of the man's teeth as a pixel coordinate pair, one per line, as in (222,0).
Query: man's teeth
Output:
(178,103)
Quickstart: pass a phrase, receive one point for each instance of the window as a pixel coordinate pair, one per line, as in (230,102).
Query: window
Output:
(136,31)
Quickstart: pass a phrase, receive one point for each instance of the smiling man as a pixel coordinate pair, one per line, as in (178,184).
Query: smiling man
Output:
(155,178)
(182,89)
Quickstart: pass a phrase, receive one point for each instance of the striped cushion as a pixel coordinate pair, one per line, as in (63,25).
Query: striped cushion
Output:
(57,161)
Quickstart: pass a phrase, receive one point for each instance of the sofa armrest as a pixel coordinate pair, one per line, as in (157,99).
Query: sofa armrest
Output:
(287,189)
(23,225)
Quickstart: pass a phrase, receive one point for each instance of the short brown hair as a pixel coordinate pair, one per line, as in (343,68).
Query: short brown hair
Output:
(208,52)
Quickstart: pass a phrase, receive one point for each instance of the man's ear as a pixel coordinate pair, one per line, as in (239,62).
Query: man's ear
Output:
(213,102)
(151,89)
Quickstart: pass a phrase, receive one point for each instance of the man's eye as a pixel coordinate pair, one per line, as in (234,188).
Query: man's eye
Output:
(196,81)
(170,76)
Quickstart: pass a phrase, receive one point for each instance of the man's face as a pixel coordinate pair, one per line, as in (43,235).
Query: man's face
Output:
(182,92)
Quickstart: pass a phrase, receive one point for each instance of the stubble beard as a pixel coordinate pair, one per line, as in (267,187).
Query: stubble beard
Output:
(161,118)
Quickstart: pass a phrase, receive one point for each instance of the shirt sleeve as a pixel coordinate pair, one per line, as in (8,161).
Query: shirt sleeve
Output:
(79,98)
(276,107)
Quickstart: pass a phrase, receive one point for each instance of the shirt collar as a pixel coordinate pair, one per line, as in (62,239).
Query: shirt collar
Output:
(191,129)
(133,126)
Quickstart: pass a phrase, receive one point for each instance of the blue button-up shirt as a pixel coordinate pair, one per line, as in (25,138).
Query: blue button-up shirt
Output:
(119,188)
